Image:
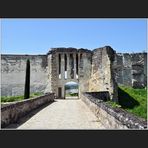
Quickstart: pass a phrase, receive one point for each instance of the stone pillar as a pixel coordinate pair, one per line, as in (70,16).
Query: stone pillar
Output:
(109,82)
(63,92)
(68,67)
(57,59)
(74,58)
(78,65)
(81,65)
(62,67)
(48,87)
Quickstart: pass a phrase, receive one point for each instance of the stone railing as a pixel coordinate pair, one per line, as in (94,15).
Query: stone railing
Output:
(112,118)
(11,112)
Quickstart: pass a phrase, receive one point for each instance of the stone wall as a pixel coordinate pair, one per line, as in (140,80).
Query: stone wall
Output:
(102,75)
(98,70)
(84,70)
(112,118)
(131,69)
(54,71)
(13,70)
(11,112)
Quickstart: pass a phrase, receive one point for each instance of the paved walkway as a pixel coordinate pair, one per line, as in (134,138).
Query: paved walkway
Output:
(63,114)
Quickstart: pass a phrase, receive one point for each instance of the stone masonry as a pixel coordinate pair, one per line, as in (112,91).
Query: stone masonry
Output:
(103,76)
(99,70)
(13,69)
(131,69)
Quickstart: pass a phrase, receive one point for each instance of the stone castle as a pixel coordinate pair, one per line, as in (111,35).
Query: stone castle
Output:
(99,70)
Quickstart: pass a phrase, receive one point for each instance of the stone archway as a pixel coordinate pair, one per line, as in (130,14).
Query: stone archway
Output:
(71,90)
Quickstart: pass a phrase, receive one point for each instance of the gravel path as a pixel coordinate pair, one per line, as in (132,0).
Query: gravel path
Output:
(63,114)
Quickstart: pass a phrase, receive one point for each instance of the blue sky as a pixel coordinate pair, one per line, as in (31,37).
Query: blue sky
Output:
(37,36)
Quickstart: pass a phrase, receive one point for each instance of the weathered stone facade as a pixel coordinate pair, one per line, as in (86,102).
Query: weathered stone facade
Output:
(102,76)
(99,70)
(66,69)
(131,69)
(13,69)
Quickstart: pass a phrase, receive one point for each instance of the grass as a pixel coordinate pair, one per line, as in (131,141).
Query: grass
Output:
(132,100)
(18,98)
(71,95)
(113,104)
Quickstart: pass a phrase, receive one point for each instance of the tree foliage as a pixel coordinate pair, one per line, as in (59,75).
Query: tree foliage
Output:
(27,81)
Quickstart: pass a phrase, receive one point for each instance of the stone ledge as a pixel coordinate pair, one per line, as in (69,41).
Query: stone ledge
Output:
(11,112)
(121,117)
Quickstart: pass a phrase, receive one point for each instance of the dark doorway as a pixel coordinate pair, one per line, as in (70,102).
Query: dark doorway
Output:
(59,92)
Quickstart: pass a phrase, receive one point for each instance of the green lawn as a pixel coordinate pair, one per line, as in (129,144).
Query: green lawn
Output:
(18,98)
(71,95)
(133,100)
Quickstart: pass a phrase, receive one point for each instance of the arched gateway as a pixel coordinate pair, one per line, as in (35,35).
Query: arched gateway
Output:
(71,90)
(66,65)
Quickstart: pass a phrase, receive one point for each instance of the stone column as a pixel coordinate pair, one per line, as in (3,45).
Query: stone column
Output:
(77,62)
(78,65)
(81,65)
(57,59)
(62,67)
(68,67)
(74,58)
(63,91)
(48,87)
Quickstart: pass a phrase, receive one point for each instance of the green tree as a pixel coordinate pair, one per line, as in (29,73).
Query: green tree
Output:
(27,80)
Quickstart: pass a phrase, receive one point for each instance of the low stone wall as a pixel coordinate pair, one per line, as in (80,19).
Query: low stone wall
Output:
(102,95)
(11,112)
(113,118)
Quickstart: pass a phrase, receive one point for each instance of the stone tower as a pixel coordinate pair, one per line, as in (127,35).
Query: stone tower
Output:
(68,65)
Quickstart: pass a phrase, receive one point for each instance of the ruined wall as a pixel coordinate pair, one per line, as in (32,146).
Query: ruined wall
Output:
(49,73)
(13,70)
(131,69)
(102,76)
(54,72)
(84,70)
(98,70)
